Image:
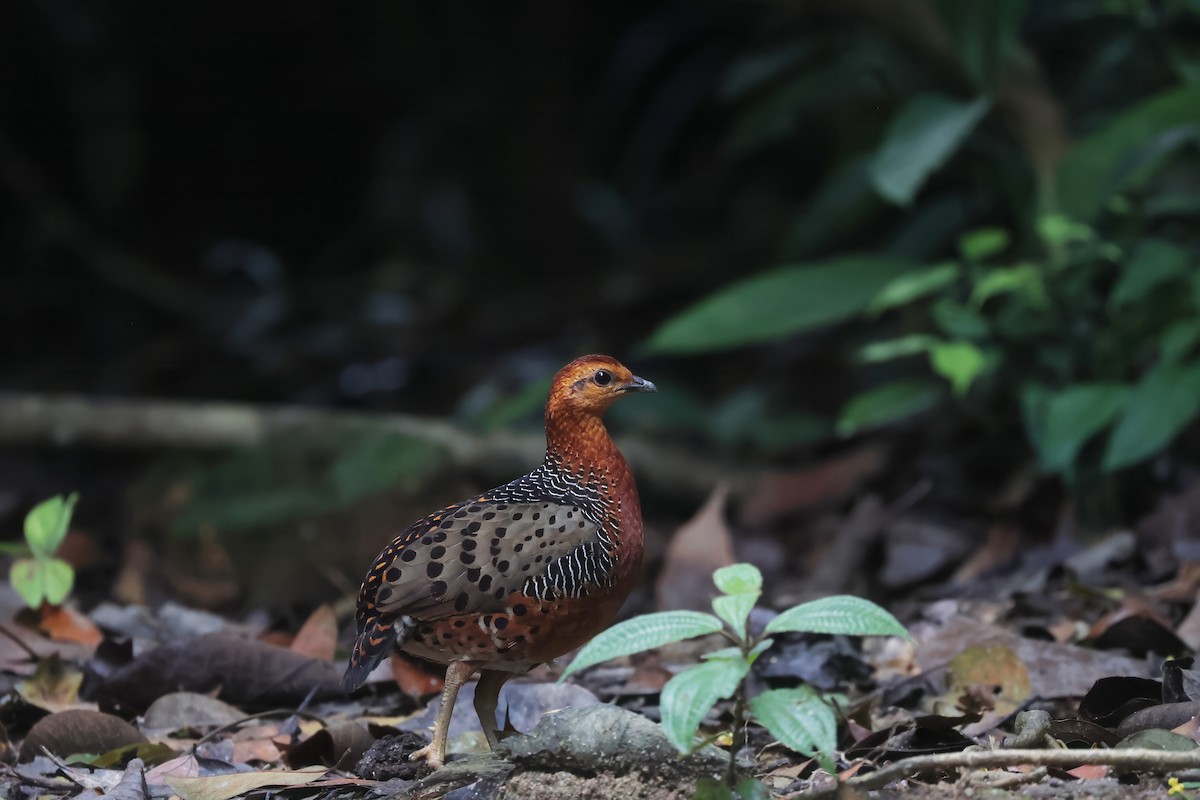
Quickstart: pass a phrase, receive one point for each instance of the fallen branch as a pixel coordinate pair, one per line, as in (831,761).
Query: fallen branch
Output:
(1124,758)
(62,420)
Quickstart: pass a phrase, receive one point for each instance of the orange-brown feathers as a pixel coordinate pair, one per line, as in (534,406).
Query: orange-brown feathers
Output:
(579,394)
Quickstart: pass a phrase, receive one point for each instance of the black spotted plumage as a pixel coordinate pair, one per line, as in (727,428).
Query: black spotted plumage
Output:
(565,561)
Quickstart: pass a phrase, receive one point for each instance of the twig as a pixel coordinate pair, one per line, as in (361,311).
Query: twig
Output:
(31,418)
(17,640)
(1125,758)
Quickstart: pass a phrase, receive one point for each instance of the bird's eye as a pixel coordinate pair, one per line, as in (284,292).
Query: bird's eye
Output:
(602,377)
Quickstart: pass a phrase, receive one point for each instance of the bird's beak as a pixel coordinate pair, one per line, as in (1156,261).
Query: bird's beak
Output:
(638,385)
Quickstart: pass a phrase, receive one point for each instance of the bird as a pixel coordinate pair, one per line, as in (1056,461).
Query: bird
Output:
(521,574)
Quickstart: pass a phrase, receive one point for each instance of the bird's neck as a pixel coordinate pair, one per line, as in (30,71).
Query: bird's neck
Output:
(580,444)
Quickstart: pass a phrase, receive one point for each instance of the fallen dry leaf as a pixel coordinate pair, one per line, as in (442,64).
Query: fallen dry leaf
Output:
(700,547)
(997,550)
(78,731)
(317,638)
(224,787)
(339,745)
(133,783)
(246,672)
(53,686)
(179,710)
(1089,772)
(184,766)
(414,679)
(1189,628)
(65,624)
(778,494)
(264,750)
(1055,669)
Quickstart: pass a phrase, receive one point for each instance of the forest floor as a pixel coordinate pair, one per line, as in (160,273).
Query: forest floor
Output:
(133,689)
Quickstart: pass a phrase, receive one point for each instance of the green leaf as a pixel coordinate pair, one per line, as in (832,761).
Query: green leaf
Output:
(1160,406)
(959,321)
(1025,279)
(46,524)
(912,345)
(801,720)
(776,304)
(57,577)
(735,609)
(841,613)
(40,580)
(1153,263)
(913,286)
(716,789)
(1069,418)
(886,404)
(25,577)
(1157,739)
(985,34)
(982,244)
(1057,230)
(687,697)
(738,579)
(926,132)
(643,633)
(1186,64)
(1095,168)
(1179,339)
(842,202)
(958,362)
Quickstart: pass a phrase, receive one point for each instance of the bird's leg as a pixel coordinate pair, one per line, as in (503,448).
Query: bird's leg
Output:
(487,694)
(457,673)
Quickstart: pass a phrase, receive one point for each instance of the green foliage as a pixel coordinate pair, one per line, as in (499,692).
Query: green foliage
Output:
(887,404)
(799,718)
(286,479)
(42,577)
(984,33)
(1123,154)
(921,139)
(643,633)
(777,304)
(1046,273)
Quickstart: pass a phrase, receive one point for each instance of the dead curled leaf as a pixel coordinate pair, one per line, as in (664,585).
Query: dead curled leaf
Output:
(341,744)
(245,671)
(700,546)
(78,731)
(317,638)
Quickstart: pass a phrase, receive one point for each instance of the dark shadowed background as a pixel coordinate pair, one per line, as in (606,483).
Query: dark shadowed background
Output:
(958,237)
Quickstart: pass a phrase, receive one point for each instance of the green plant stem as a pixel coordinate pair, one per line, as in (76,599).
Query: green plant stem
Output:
(739,732)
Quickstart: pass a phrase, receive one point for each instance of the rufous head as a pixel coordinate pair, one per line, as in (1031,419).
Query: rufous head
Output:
(590,384)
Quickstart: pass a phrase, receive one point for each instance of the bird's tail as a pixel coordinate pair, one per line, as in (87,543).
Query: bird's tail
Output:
(374,641)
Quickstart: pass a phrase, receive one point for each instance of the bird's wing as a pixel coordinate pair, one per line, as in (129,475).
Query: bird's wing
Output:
(470,557)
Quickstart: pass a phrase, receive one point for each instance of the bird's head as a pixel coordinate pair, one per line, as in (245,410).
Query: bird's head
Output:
(590,384)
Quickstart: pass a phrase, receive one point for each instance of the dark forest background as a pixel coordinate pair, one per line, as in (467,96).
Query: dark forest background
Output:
(958,236)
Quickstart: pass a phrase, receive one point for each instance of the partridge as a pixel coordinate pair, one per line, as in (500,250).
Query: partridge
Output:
(521,574)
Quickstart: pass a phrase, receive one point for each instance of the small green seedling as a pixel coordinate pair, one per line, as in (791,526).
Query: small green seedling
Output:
(799,717)
(43,577)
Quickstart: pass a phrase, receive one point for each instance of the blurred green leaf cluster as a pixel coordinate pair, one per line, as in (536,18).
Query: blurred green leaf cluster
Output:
(1031,274)
(288,479)
(43,577)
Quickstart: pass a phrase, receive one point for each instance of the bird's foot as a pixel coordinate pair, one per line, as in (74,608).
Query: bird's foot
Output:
(435,757)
